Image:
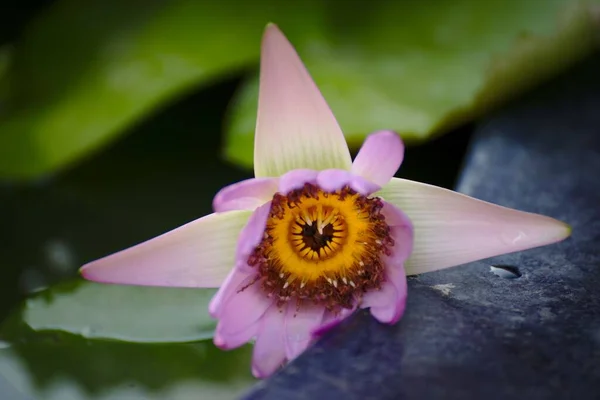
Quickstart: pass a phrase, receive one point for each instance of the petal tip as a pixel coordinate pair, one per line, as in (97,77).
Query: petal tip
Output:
(270,26)
(220,342)
(564,230)
(87,272)
(550,230)
(257,373)
(379,157)
(95,272)
(272,30)
(569,230)
(388,134)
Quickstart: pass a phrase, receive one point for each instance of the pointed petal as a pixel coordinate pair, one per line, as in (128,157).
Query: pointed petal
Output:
(198,254)
(300,323)
(295,128)
(269,350)
(379,157)
(245,195)
(452,229)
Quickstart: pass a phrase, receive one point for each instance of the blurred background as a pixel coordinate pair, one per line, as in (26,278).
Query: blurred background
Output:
(119,120)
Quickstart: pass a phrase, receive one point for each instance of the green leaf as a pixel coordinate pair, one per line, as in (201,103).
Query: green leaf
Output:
(85,71)
(68,367)
(422,67)
(127,313)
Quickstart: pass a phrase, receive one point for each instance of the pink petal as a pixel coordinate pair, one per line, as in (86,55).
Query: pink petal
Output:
(241,310)
(198,254)
(334,179)
(299,327)
(331,320)
(380,298)
(245,195)
(236,280)
(363,186)
(401,230)
(295,128)
(234,340)
(296,179)
(397,276)
(269,349)
(329,180)
(251,236)
(388,304)
(451,228)
(379,157)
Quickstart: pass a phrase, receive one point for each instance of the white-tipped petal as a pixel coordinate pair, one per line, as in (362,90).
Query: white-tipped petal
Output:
(451,228)
(295,128)
(198,254)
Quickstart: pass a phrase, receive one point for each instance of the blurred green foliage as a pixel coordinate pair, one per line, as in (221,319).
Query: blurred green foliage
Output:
(422,67)
(84,72)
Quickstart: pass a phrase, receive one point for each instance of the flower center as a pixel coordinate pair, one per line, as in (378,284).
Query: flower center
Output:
(323,247)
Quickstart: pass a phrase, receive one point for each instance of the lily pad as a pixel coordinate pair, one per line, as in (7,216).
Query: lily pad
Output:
(422,67)
(68,367)
(126,313)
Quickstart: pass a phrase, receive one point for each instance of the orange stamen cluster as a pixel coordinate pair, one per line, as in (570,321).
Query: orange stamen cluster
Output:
(322,247)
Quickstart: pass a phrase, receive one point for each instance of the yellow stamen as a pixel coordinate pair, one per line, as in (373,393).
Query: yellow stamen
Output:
(325,247)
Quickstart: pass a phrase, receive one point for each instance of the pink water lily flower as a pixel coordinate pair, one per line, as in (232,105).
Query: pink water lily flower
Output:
(314,235)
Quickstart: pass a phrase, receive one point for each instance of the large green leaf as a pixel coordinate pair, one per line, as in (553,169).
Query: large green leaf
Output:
(87,70)
(420,67)
(127,313)
(68,367)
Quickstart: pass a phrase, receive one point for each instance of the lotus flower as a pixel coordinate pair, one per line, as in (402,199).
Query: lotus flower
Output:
(315,236)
